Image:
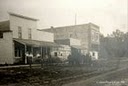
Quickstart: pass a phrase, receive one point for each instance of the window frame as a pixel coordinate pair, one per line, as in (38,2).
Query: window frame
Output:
(19,32)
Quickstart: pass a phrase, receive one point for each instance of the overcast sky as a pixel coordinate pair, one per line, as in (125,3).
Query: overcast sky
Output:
(108,14)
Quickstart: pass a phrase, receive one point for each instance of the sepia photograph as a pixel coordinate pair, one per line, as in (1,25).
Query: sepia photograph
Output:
(63,43)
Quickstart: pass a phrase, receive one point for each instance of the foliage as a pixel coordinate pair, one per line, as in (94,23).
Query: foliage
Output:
(114,45)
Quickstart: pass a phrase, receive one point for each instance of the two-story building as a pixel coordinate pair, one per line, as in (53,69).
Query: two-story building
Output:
(19,35)
(88,34)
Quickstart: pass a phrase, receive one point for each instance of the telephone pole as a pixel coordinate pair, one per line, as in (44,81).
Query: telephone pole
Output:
(75,18)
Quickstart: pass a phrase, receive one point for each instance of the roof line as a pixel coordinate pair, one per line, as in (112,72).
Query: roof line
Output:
(71,26)
(63,26)
(93,24)
(22,16)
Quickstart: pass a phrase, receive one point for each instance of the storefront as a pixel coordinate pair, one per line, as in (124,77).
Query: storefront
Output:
(36,49)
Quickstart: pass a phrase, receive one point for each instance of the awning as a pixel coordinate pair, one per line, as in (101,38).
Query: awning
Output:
(36,43)
(79,47)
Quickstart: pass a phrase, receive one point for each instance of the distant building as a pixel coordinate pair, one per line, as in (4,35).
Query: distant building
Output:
(88,34)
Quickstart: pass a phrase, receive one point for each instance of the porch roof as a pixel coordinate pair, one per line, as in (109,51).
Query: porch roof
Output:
(79,47)
(36,43)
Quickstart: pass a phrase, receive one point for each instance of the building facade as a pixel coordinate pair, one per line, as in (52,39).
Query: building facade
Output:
(26,28)
(6,48)
(88,34)
(19,35)
(61,52)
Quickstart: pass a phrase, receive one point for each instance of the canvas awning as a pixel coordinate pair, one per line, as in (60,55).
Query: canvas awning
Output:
(36,43)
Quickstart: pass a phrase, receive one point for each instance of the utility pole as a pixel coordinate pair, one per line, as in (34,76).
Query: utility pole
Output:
(75,33)
(75,18)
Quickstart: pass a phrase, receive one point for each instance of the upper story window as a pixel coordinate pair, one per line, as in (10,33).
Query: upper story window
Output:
(19,32)
(29,33)
(1,34)
(95,36)
(93,54)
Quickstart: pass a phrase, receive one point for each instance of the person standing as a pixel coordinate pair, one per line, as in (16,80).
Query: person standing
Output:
(30,56)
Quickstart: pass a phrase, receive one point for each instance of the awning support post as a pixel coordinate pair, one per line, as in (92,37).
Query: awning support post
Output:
(41,52)
(32,50)
(46,50)
(25,54)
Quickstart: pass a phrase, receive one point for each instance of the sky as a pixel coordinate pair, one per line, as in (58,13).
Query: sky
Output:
(109,15)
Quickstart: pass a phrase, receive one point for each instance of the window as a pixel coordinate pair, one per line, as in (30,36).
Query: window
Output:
(95,36)
(1,34)
(19,32)
(29,33)
(18,53)
(93,54)
(55,54)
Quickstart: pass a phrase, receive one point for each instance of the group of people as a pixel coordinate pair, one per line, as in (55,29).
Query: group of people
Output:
(72,59)
(29,57)
(79,59)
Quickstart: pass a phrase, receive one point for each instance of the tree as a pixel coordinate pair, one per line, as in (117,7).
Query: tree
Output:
(114,45)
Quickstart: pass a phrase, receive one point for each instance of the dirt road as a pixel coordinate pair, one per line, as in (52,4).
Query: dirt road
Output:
(114,78)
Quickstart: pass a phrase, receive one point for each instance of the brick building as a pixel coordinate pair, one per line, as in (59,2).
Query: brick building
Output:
(88,34)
